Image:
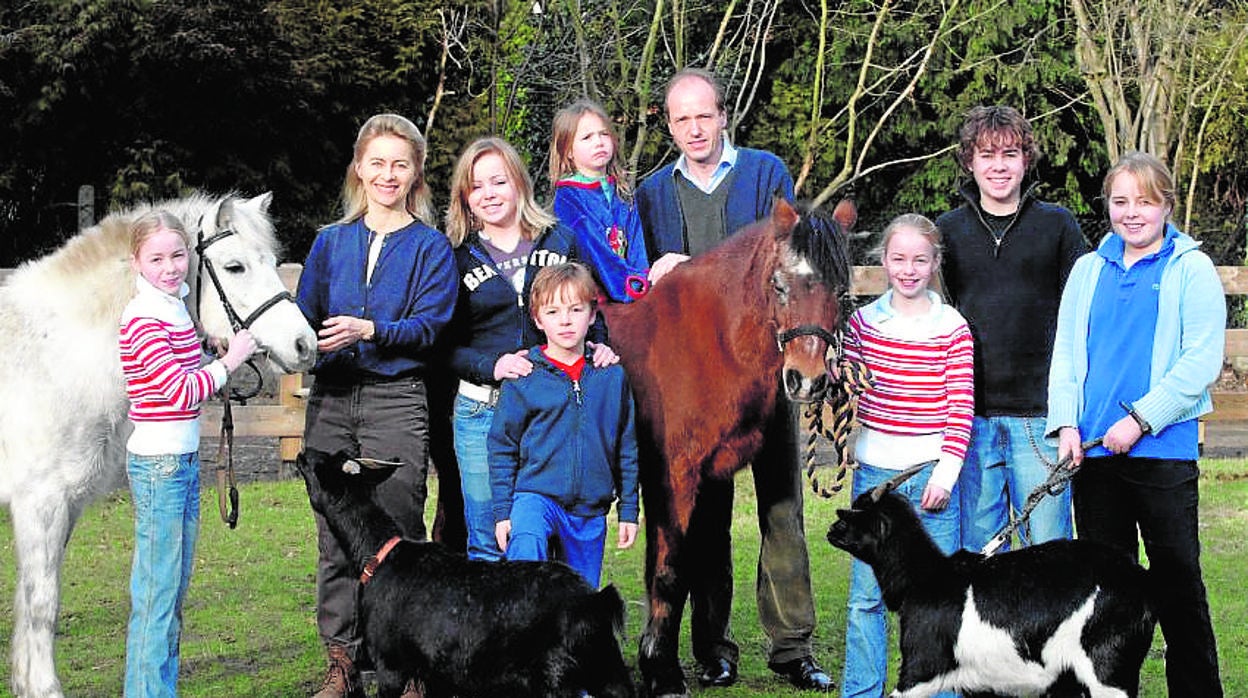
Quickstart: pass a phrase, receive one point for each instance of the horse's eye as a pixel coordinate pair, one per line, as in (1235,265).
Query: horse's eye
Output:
(781,285)
(235,267)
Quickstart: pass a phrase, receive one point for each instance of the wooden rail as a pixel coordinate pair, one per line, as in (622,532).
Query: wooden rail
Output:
(1228,406)
(285,419)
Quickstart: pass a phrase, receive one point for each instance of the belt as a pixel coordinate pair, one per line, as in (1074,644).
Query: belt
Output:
(481,393)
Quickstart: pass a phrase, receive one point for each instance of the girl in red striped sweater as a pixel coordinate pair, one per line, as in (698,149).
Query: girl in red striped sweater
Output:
(160,358)
(919,410)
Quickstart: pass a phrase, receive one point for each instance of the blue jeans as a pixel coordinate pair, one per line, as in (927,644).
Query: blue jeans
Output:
(165,491)
(471,423)
(536,519)
(866,638)
(1007,459)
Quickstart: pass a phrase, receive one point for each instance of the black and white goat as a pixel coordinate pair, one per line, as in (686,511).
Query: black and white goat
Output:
(467,628)
(1064,618)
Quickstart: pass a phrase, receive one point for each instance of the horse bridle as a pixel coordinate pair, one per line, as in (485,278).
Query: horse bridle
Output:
(225,446)
(205,264)
(785,336)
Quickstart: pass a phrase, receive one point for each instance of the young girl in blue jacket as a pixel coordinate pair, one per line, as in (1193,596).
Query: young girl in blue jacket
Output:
(593,198)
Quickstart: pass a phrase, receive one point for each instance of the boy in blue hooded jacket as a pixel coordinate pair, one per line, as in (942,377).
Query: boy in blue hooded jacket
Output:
(562,445)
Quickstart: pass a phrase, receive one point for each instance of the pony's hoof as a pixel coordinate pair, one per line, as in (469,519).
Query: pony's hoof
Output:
(657,689)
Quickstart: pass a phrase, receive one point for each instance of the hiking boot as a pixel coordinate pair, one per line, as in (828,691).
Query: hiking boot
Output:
(342,680)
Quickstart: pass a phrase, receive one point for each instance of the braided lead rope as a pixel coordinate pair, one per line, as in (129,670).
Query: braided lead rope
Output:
(842,400)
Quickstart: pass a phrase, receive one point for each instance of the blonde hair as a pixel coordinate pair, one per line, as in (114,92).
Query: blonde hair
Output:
(916,222)
(575,277)
(152,222)
(563,133)
(419,201)
(1150,173)
(459,219)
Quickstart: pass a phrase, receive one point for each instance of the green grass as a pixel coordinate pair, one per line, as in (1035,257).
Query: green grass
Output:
(249,627)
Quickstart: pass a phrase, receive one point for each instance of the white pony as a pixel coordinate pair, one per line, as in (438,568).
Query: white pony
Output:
(63,425)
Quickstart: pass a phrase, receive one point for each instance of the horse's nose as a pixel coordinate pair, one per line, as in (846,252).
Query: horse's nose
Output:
(792,381)
(819,386)
(306,350)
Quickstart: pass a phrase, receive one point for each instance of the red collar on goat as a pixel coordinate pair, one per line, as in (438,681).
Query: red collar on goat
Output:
(370,567)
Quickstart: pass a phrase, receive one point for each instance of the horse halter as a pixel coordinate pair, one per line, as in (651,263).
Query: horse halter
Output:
(785,336)
(205,264)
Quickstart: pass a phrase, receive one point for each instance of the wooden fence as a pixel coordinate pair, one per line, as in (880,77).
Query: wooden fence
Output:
(284,420)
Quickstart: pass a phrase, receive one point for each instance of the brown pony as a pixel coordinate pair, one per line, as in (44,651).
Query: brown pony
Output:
(706,351)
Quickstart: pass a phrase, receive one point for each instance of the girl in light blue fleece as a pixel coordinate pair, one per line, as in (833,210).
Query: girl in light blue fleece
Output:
(1140,336)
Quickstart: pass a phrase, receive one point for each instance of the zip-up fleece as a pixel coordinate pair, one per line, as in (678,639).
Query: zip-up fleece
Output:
(410,298)
(1009,292)
(570,441)
(1188,341)
(583,207)
(490,318)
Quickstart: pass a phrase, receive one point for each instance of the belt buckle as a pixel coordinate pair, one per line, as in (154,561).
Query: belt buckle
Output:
(493,401)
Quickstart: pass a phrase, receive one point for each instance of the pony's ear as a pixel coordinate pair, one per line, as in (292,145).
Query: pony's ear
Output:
(783,215)
(260,203)
(846,214)
(225,214)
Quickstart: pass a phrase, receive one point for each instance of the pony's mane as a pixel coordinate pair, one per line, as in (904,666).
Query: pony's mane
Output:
(95,262)
(110,238)
(258,230)
(818,239)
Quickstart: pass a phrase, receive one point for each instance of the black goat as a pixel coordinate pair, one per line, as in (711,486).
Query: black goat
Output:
(1064,618)
(466,628)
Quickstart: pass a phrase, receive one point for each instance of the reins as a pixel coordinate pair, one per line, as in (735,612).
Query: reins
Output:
(842,400)
(226,484)
(1053,485)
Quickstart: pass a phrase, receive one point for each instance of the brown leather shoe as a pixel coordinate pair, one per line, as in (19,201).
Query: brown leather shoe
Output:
(342,680)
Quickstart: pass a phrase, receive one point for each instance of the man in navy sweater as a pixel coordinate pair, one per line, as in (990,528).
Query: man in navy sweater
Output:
(712,190)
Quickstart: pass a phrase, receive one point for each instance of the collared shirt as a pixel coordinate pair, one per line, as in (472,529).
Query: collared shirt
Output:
(727,160)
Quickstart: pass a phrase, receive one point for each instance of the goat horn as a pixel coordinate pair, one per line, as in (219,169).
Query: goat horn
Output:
(894,482)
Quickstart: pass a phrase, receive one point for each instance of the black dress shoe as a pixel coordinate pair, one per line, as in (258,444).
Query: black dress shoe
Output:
(805,674)
(718,672)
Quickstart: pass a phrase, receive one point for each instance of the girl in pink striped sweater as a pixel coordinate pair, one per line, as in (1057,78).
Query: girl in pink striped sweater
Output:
(919,410)
(160,358)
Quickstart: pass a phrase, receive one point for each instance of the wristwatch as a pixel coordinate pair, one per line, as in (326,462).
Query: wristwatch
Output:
(1145,427)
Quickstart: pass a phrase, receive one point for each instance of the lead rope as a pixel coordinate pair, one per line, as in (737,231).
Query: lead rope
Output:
(225,462)
(842,401)
(1053,485)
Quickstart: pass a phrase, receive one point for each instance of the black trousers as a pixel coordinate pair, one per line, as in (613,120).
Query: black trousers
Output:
(785,601)
(381,420)
(1117,496)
